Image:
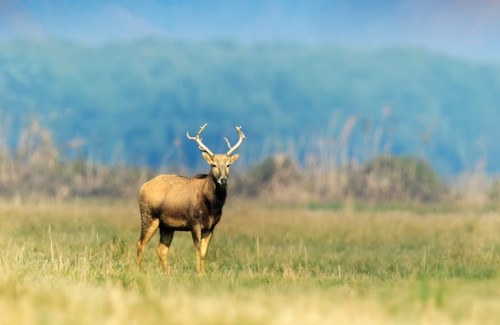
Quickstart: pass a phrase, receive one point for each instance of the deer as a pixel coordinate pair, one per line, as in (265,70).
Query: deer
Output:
(178,203)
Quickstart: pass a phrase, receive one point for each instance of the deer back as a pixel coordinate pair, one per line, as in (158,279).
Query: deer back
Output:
(172,191)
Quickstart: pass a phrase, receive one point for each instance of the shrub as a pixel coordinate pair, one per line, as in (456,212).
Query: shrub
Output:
(276,177)
(397,178)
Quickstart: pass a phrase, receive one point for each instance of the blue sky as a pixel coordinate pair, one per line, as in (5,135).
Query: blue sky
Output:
(463,28)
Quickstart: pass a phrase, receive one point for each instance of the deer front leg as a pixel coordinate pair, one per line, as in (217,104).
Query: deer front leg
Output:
(201,239)
(196,234)
(206,236)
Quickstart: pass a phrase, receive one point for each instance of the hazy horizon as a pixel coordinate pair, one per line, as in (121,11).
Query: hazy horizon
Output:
(465,28)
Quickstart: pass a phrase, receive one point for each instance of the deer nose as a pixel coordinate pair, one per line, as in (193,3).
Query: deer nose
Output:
(223,180)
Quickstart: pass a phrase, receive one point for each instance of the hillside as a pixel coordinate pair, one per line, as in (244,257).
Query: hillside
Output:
(132,102)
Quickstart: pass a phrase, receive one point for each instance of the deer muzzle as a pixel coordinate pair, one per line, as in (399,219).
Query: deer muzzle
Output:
(222,180)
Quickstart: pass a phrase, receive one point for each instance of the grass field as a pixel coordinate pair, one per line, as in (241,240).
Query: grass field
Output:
(74,263)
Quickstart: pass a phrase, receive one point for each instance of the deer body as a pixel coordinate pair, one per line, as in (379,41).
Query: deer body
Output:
(181,202)
(177,203)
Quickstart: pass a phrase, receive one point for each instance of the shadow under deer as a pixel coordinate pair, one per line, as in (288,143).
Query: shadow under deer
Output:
(177,203)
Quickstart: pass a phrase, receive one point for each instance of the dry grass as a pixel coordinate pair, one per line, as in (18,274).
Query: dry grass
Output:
(73,263)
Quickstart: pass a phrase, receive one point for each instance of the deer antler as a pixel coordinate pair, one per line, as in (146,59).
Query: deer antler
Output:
(240,140)
(197,138)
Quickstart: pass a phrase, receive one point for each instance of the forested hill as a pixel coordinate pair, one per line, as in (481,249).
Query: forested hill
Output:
(133,102)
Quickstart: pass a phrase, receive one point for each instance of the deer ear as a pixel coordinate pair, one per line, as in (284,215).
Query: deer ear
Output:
(233,158)
(208,158)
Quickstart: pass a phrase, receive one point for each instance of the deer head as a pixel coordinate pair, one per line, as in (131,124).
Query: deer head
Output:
(219,162)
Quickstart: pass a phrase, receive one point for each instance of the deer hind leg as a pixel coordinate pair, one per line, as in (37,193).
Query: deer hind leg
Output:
(149,226)
(166,236)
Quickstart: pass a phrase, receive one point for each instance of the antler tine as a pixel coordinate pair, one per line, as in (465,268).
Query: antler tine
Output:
(198,139)
(227,141)
(240,140)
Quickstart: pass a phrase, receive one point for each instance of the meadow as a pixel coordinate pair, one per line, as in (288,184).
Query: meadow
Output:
(73,262)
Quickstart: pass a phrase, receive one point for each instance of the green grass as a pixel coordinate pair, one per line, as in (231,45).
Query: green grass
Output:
(74,262)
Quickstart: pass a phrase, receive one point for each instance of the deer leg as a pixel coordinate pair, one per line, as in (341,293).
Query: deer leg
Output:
(149,228)
(206,236)
(196,233)
(166,236)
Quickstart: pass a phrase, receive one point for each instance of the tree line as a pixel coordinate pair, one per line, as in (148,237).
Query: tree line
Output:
(131,103)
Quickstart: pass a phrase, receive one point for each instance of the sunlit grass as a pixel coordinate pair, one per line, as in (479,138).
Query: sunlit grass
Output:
(74,262)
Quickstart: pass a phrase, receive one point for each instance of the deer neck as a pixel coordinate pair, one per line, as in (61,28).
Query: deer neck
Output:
(215,192)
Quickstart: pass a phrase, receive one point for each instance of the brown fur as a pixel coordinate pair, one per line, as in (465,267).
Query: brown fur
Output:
(176,203)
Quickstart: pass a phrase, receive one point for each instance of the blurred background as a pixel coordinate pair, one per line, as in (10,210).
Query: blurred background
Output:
(389,100)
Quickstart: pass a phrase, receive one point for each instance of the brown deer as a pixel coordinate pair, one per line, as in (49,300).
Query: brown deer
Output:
(172,202)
